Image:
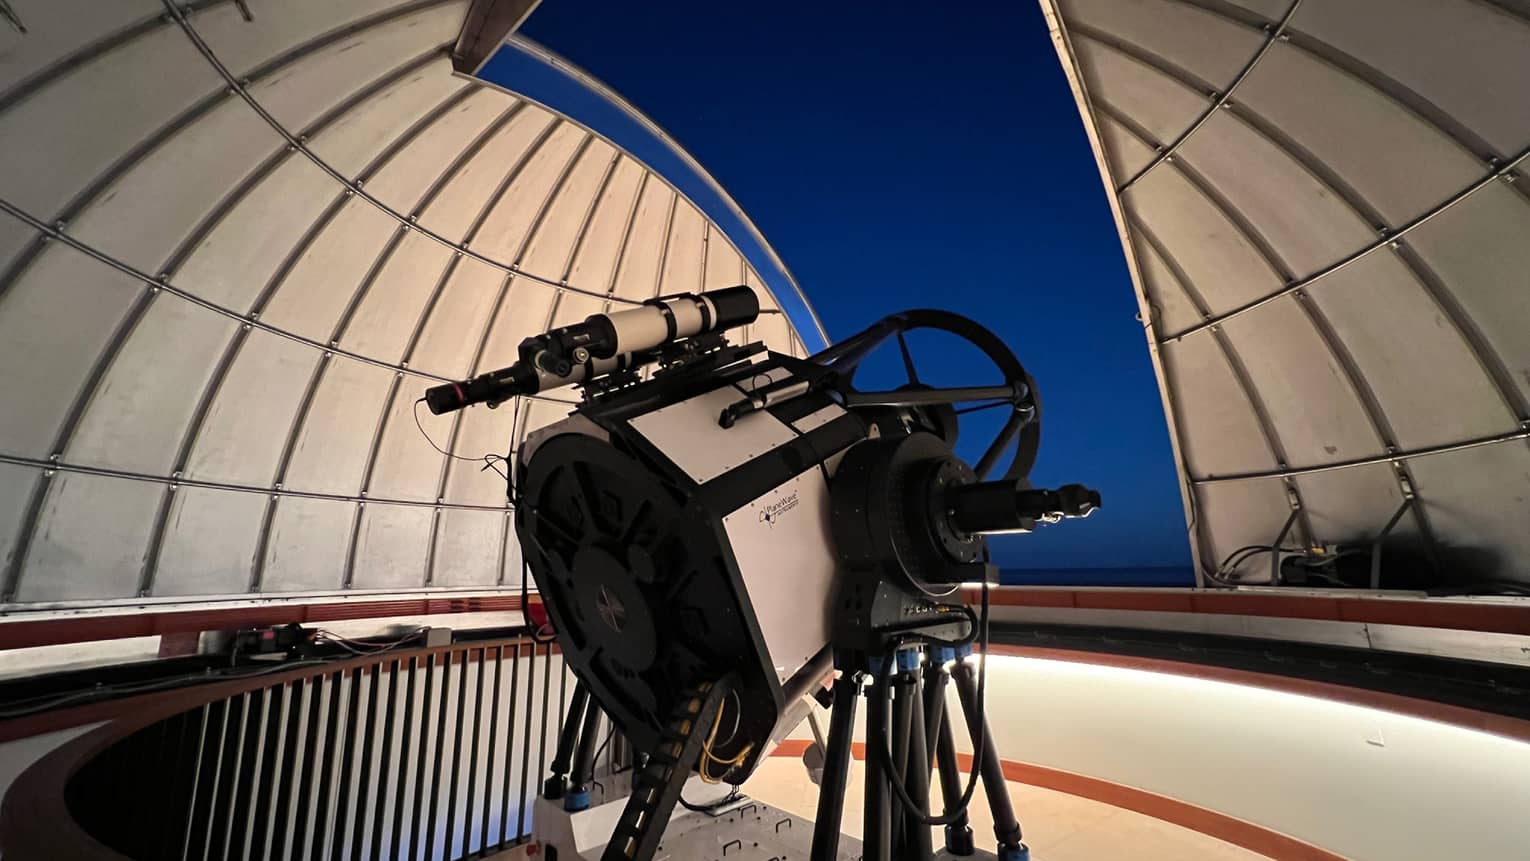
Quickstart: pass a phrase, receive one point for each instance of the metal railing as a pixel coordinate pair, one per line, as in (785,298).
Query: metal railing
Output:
(430,753)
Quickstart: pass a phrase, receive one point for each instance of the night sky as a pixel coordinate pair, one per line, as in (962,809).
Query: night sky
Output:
(903,155)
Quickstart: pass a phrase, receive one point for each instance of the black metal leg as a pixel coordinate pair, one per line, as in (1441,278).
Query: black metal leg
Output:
(903,708)
(936,677)
(876,831)
(836,768)
(1006,827)
(583,773)
(557,781)
(958,833)
(917,778)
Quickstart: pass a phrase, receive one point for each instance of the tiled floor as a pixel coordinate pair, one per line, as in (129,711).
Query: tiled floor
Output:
(1058,827)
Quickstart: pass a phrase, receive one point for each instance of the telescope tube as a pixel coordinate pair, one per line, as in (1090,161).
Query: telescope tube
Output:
(601,344)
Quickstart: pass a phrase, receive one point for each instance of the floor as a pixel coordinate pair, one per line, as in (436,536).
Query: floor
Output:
(1058,827)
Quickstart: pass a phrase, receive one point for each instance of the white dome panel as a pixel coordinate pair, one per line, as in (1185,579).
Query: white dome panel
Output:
(1329,251)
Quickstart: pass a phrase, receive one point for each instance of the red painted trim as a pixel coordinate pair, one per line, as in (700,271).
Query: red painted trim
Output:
(23,633)
(1414,612)
(1232,830)
(1509,727)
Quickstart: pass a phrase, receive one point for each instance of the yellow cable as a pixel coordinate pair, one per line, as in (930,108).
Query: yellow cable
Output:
(707,757)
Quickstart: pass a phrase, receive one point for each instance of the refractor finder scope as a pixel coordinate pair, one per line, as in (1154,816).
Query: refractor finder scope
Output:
(602,344)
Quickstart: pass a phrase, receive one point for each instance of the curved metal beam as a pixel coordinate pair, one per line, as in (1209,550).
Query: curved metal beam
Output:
(597,86)
(1371,406)
(423,321)
(568,265)
(1273,34)
(1369,403)
(1385,240)
(1146,314)
(55,232)
(1394,457)
(188,245)
(1482,351)
(87,53)
(176,482)
(501,301)
(1230,355)
(354,188)
(342,324)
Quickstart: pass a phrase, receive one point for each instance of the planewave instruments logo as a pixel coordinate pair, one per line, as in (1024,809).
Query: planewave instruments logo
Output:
(772,511)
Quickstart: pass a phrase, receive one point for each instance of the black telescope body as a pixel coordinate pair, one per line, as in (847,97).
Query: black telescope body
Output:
(713,542)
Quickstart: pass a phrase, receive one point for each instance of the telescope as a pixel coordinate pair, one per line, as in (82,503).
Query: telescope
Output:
(744,533)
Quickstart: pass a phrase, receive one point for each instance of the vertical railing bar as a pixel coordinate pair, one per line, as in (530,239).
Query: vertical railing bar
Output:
(456,756)
(472,778)
(357,806)
(488,771)
(294,777)
(419,783)
(451,786)
(542,718)
(233,783)
(266,700)
(531,681)
(435,773)
(196,775)
(345,753)
(504,805)
(403,763)
(289,692)
(374,823)
(323,726)
(217,781)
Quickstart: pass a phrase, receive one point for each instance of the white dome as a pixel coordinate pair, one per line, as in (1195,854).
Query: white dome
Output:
(234,253)
(1325,210)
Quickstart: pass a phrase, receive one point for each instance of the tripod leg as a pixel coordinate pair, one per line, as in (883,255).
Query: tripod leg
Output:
(557,782)
(917,778)
(578,797)
(935,679)
(958,833)
(876,832)
(903,708)
(836,768)
(1006,827)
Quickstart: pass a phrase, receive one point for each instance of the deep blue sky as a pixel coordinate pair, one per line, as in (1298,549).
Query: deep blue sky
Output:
(905,155)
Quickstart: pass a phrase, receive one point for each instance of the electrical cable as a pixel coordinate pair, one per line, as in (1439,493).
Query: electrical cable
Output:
(52,701)
(492,461)
(489,460)
(884,756)
(1229,563)
(362,646)
(708,758)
